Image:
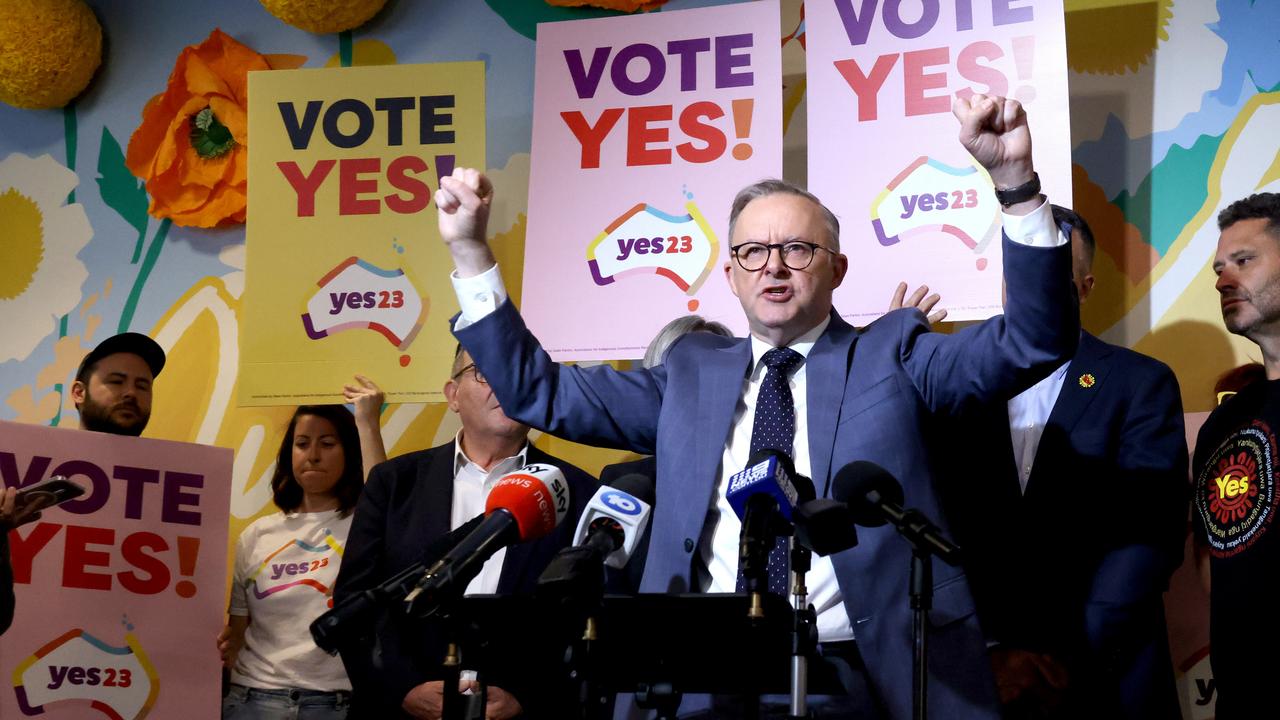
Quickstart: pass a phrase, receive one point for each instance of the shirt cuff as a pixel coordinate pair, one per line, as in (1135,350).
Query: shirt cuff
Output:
(478,295)
(1035,229)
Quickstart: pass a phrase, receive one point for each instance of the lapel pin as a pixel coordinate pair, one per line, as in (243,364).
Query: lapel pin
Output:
(1087,380)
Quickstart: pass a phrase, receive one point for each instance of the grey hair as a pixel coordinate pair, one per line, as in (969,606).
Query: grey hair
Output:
(774,186)
(656,353)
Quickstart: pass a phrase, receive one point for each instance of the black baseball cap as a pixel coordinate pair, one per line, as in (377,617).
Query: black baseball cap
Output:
(137,343)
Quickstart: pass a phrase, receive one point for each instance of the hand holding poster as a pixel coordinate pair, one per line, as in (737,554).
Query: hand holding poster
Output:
(644,129)
(118,590)
(340,259)
(883,153)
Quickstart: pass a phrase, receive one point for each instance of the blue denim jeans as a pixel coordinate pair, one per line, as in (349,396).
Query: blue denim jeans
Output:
(245,703)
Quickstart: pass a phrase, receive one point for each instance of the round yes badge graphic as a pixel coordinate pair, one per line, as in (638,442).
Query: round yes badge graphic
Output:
(621,502)
(1236,491)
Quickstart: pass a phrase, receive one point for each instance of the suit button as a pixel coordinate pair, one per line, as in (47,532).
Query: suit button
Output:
(688,545)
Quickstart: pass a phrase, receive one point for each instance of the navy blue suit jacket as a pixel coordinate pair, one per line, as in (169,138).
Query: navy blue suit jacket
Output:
(406,506)
(869,393)
(1076,566)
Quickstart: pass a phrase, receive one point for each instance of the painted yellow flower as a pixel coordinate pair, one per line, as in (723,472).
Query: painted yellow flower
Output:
(42,235)
(324,16)
(49,51)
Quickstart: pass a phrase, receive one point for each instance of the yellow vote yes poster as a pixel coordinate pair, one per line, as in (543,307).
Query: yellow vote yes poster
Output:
(344,271)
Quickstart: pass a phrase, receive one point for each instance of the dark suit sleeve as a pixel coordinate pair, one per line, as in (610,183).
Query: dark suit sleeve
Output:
(1151,473)
(1005,355)
(381,675)
(6,583)
(1124,613)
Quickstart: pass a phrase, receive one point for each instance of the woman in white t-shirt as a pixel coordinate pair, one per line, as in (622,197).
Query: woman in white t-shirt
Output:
(286,564)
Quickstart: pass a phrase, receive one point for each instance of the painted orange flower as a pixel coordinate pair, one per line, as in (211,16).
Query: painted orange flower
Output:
(191,147)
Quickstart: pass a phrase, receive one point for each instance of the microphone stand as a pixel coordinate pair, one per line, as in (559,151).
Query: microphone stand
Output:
(921,589)
(804,631)
(455,706)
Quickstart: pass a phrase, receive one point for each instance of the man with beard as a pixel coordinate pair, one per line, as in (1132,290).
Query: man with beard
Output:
(1234,490)
(112,390)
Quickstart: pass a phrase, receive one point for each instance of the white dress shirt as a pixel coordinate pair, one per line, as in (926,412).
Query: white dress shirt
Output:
(718,548)
(481,294)
(1028,414)
(471,486)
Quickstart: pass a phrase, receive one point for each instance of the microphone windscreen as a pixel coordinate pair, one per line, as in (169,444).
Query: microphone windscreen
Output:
(636,485)
(863,486)
(805,490)
(536,495)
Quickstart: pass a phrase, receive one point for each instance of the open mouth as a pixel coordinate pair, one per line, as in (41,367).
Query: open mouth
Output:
(777,293)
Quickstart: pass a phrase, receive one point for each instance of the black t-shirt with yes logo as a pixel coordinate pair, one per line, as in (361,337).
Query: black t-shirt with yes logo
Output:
(1234,504)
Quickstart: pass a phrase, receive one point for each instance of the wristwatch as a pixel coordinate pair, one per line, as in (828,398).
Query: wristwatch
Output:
(1021,193)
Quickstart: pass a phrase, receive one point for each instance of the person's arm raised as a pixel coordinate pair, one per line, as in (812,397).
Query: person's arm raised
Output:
(463,202)
(995,132)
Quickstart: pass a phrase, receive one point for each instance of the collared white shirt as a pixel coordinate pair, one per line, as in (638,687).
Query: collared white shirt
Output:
(481,294)
(719,545)
(471,486)
(1028,414)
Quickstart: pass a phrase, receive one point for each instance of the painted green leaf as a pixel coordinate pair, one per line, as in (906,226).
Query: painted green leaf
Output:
(121,191)
(523,16)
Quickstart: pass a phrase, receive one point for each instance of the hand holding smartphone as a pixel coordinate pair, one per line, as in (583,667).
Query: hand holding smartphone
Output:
(24,506)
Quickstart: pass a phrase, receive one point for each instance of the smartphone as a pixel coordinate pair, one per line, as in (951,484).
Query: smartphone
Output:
(53,491)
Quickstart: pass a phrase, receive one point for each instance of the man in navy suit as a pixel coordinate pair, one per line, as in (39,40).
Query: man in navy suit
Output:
(1072,513)
(856,395)
(411,502)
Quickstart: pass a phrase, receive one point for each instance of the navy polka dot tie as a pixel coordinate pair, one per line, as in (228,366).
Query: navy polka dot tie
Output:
(774,428)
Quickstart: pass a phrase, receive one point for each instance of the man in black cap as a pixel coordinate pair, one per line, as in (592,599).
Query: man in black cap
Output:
(112,390)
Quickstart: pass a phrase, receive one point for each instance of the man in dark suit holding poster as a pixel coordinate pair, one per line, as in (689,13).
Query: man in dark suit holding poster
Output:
(837,394)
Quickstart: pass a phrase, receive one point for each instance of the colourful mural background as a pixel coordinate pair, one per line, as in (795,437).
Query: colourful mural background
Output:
(1175,111)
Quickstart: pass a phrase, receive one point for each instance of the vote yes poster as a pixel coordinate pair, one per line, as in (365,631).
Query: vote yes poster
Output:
(120,592)
(883,148)
(644,129)
(345,272)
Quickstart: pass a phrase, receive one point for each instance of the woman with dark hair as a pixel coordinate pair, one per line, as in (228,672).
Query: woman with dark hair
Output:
(286,564)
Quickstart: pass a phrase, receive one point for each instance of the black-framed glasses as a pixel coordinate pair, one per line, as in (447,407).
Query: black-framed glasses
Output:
(795,254)
(475,371)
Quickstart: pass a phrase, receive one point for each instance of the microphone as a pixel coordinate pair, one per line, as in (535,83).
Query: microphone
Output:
(875,497)
(825,526)
(763,496)
(608,533)
(769,475)
(348,620)
(615,519)
(523,505)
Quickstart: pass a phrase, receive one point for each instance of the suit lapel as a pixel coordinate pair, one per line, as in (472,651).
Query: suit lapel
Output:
(1085,377)
(826,373)
(719,387)
(521,555)
(435,502)
(1088,370)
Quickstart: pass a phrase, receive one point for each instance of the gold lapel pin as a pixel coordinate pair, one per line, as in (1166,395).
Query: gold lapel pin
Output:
(1087,380)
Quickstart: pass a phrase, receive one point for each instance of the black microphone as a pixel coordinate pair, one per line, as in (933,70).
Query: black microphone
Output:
(764,495)
(875,497)
(523,505)
(349,619)
(825,526)
(608,533)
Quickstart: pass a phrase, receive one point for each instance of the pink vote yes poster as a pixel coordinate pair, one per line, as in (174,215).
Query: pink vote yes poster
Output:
(883,147)
(644,129)
(121,592)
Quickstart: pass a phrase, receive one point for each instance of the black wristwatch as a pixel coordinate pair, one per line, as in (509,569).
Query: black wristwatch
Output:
(1021,193)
